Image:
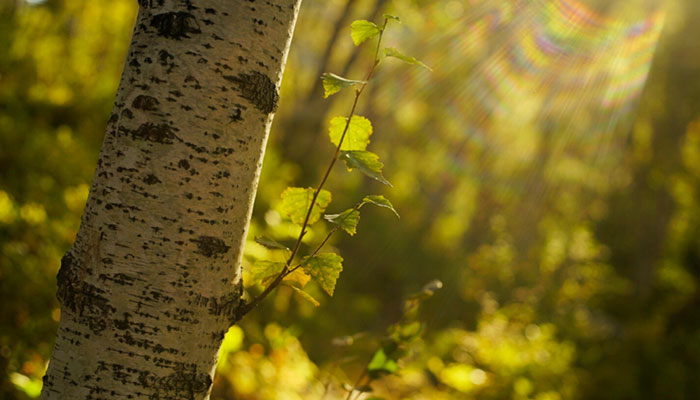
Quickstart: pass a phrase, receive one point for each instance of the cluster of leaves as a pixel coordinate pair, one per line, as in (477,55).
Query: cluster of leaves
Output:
(306,206)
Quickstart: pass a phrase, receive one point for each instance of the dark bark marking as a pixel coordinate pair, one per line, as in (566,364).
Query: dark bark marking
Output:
(145,102)
(151,179)
(175,25)
(184,383)
(149,3)
(258,89)
(224,306)
(236,116)
(210,246)
(154,133)
(165,57)
(191,78)
(127,113)
(81,297)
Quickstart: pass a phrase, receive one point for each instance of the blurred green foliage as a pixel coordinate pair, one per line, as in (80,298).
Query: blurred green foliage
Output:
(571,270)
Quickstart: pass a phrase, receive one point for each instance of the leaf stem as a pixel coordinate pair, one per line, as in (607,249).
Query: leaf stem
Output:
(245,309)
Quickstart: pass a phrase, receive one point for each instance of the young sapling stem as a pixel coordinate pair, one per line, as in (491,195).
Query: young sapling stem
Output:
(246,308)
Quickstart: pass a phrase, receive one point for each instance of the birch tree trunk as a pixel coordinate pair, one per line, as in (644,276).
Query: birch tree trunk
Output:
(153,280)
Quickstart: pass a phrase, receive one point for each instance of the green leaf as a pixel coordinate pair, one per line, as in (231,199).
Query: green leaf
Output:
(325,269)
(362,30)
(357,135)
(367,162)
(262,269)
(296,202)
(270,243)
(392,52)
(346,220)
(304,295)
(379,200)
(394,17)
(381,363)
(333,83)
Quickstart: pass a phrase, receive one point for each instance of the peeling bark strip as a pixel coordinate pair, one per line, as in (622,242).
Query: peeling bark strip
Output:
(152,283)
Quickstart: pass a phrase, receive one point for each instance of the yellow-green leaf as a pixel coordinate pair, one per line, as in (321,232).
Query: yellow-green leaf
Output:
(367,162)
(381,362)
(362,30)
(304,295)
(270,243)
(262,269)
(380,201)
(298,278)
(325,269)
(333,83)
(357,135)
(296,202)
(346,220)
(392,52)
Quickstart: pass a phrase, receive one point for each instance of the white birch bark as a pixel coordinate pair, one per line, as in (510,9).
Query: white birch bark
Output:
(152,282)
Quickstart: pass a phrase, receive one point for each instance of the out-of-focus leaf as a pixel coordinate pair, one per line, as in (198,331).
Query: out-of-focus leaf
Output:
(408,331)
(394,17)
(304,295)
(381,363)
(428,290)
(270,243)
(392,52)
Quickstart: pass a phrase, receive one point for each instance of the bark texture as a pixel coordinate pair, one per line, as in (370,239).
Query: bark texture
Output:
(152,282)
